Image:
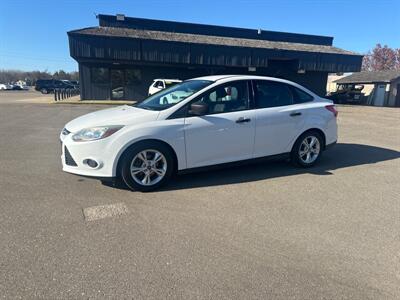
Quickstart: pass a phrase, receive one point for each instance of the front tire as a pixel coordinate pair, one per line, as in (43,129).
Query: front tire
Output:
(44,91)
(307,150)
(147,166)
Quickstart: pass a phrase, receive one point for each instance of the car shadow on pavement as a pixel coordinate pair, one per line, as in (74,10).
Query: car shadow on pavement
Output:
(340,156)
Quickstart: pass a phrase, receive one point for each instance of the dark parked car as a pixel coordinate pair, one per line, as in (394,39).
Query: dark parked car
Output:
(74,83)
(347,93)
(46,86)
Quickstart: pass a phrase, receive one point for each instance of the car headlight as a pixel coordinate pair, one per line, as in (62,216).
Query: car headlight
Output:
(95,133)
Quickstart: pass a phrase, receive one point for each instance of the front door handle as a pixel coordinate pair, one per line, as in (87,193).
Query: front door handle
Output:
(243,120)
(295,114)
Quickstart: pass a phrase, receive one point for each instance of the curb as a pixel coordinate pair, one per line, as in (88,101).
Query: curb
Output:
(97,102)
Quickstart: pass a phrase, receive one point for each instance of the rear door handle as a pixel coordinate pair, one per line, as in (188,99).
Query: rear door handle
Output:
(243,120)
(295,114)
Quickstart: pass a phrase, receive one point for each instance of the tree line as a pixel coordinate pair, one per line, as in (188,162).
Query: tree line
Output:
(30,77)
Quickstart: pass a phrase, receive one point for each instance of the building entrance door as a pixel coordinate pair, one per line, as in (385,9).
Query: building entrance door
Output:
(397,104)
(379,95)
(117,84)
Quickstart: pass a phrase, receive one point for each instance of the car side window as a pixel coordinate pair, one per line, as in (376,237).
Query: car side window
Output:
(272,94)
(159,84)
(228,97)
(301,96)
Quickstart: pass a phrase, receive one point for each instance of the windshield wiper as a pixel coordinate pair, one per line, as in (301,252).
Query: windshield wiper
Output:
(146,107)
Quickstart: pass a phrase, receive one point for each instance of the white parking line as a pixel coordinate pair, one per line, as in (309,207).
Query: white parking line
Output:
(104,211)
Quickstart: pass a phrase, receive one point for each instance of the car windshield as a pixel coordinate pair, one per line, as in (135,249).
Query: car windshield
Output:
(173,95)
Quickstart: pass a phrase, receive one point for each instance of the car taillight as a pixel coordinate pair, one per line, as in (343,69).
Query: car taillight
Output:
(332,109)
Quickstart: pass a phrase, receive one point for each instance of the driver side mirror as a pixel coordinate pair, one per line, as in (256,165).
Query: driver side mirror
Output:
(198,109)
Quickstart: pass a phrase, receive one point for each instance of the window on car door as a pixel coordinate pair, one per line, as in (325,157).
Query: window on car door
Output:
(277,119)
(229,97)
(225,132)
(272,94)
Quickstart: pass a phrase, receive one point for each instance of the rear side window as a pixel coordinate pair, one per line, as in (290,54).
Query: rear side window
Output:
(272,94)
(301,96)
(159,84)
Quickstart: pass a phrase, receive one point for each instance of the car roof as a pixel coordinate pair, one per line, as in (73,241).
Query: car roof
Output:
(227,78)
(214,77)
(248,77)
(166,79)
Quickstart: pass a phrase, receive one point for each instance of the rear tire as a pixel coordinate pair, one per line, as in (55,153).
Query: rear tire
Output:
(147,166)
(307,149)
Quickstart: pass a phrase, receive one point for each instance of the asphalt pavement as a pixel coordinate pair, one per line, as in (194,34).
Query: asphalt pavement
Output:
(264,231)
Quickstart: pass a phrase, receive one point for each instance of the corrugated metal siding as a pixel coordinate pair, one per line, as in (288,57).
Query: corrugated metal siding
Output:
(79,47)
(330,63)
(110,48)
(165,52)
(152,51)
(220,56)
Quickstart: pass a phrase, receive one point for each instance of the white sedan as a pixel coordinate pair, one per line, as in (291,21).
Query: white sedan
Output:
(219,120)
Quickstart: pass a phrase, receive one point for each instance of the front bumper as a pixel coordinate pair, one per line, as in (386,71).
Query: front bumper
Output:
(75,157)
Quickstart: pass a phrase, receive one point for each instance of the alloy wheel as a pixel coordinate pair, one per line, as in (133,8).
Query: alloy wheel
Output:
(148,167)
(309,149)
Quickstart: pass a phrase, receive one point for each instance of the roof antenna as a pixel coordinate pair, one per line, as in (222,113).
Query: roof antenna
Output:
(96,15)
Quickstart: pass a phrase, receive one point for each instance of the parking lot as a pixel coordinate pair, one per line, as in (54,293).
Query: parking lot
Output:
(265,231)
(24,96)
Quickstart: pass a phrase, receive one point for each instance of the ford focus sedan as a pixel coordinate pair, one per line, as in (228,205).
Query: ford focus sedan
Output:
(212,120)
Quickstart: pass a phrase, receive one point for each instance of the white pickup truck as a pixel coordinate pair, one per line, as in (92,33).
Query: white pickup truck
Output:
(160,84)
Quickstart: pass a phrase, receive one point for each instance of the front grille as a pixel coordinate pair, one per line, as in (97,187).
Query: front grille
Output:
(68,158)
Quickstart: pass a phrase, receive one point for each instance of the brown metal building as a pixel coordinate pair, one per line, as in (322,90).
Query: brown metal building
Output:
(120,58)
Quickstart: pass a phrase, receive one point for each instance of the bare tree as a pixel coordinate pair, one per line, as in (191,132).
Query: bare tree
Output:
(397,66)
(381,58)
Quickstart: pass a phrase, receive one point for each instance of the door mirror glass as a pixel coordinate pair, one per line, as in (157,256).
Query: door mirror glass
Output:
(198,109)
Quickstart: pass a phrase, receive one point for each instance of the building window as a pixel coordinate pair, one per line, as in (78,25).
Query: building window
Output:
(133,76)
(117,84)
(100,75)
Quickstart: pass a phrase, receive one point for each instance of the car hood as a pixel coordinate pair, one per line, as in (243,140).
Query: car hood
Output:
(121,115)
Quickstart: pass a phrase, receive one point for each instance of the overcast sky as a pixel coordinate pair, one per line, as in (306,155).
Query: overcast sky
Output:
(33,33)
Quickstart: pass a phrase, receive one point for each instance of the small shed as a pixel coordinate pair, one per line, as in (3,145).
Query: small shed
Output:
(385,86)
